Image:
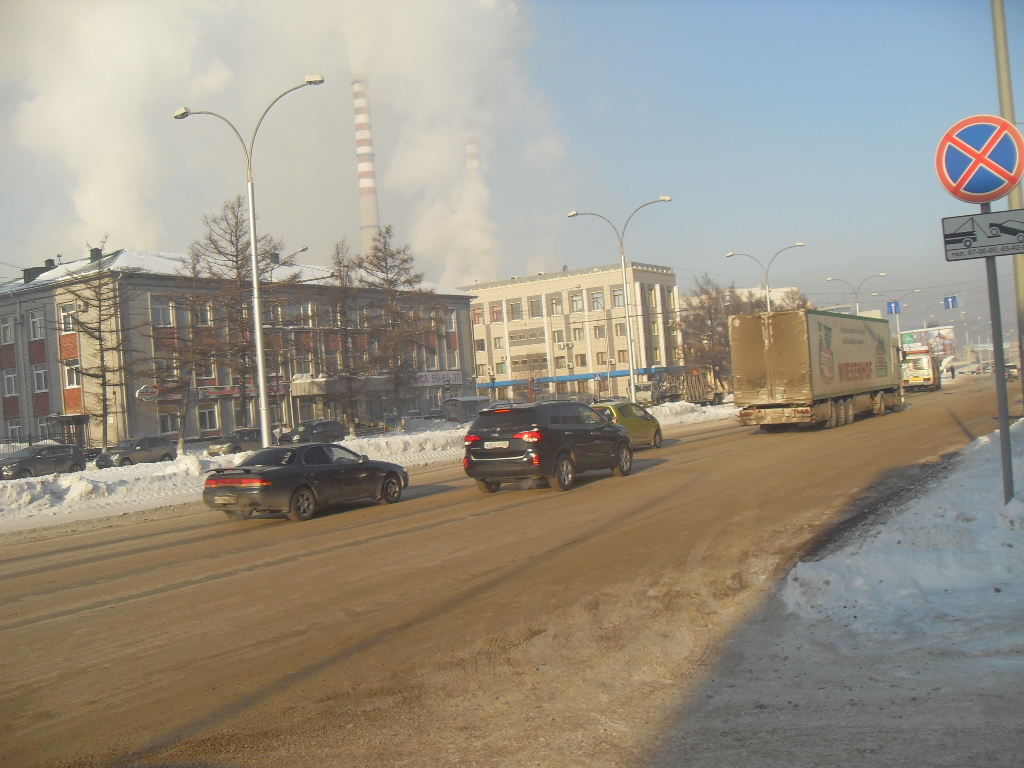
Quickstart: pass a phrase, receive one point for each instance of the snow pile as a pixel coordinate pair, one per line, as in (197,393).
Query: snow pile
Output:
(413,449)
(948,567)
(690,413)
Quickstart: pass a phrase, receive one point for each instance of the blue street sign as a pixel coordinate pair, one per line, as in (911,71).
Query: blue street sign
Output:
(979,159)
(950,302)
(894,307)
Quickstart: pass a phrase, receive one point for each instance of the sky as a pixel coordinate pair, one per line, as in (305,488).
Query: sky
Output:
(767,122)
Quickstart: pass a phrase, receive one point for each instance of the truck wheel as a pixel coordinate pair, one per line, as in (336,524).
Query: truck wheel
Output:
(840,405)
(878,403)
(848,407)
(833,415)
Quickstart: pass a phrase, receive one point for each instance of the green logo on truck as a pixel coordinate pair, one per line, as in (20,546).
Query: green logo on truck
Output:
(826,360)
(881,360)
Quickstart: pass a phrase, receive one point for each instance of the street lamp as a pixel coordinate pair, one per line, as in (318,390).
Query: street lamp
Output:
(257,314)
(856,291)
(767,285)
(276,258)
(625,286)
(899,302)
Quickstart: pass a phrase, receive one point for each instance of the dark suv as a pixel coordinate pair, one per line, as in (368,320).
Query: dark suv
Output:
(553,440)
(321,431)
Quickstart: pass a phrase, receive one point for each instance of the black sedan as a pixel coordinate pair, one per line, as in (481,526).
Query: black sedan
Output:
(43,460)
(300,479)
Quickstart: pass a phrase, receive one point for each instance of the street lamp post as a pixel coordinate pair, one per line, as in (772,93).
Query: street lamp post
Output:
(856,291)
(764,269)
(625,286)
(261,366)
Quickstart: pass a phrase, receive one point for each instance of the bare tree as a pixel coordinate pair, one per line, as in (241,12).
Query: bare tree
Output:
(703,320)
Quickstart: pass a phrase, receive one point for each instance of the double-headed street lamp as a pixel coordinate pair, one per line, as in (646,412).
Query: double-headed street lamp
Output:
(257,313)
(625,286)
(899,303)
(856,291)
(767,285)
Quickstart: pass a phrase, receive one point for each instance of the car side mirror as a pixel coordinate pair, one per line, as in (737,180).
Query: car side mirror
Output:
(138,447)
(363,458)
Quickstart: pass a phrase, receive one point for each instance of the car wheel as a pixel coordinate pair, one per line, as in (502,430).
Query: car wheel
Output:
(656,442)
(75,468)
(167,457)
(565,474)
(236,449)
(488,486)
(303,505)
(24,473)
(238,514)
(126,463)
(623,461)
(391,490)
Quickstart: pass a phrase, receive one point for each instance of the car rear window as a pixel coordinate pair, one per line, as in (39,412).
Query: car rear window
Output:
(506,419)
(270,457)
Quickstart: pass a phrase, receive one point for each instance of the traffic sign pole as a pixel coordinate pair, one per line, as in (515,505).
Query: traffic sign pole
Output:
(999,371)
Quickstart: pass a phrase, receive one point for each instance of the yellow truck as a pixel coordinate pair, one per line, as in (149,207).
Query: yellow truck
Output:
(922,371)
(807,366)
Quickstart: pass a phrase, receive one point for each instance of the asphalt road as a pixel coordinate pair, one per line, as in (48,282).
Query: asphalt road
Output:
(521,628)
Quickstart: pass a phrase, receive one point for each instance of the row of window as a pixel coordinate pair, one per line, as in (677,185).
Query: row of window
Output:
(42,429)
(577,302)
(41,377)
(579,333)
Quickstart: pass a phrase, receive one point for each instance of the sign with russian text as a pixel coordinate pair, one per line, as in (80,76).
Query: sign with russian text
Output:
(437,379)
(1000,233)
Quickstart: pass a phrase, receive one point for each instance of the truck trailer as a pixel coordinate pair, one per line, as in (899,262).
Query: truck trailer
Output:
(806,366)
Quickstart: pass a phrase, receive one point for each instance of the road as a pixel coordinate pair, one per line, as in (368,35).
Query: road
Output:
(528,627)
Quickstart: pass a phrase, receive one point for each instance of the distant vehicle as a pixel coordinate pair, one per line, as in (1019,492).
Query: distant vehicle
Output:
(463,409)
(299,480)
(42,460)
(643,427)
(139,450)
(806,366)
(1012,372)
(922,371)
(319,431)
(553,439)
(237,441)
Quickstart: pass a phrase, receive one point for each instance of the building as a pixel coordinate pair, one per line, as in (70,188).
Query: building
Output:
(564,333)
(130,326)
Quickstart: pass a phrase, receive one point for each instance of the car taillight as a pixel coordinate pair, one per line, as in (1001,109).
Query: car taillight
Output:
(244,482)
(536,460)
(465,462)
(470,439)
(532,436)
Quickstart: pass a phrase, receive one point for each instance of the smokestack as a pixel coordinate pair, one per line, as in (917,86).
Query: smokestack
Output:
(369,214)
(472,155)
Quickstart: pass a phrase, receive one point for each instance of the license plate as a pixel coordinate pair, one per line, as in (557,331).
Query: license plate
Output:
(496,444)
(225,498)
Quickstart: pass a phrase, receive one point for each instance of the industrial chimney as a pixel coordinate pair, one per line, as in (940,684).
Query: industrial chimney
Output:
(369,214)
(472,154)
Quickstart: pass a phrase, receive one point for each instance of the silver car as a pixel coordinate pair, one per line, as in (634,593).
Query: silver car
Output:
(138,450)
(238,441)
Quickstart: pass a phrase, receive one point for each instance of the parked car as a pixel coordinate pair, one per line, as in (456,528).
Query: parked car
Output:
(1012,371)
(319,431)
(138,450)
(42,460)
(238,441)
(643,427)
(553,440)
(299,480)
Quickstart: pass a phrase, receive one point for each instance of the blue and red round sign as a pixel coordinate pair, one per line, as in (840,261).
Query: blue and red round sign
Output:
(980,159)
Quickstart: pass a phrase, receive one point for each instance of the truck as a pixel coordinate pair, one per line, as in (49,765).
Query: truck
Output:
(922,371)
(699,386)
(807,366)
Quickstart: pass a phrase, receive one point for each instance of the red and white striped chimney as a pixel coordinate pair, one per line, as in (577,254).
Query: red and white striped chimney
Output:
(369,214)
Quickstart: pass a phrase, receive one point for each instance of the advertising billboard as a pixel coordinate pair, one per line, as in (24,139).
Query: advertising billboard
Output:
(939,340)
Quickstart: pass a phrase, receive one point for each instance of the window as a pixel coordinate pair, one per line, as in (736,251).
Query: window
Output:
(654,327)
(515,310)
(576,301)
(164,369)
(478,316)
(496,313)
(163,316)
(599,331)
(555,305)
(14,429)
(602,358)
(431,359)
(7,330)
(498,342)
(536,308)
(499,368)
(481,370)
(449,320)
(303,365)
(620,329)
(657,355)
(72,374)
(597,300)
(579,333)
(169,422)
(652,296)
(41,377)
(43,427)
(67,318)
(453,360)
(203,315)
(618,297)
(581,361)
(207,418)
(480,345)
(206,369)
(10,382)
(560,362)
(36,325)
(540,334)
(671,300)
(622,356)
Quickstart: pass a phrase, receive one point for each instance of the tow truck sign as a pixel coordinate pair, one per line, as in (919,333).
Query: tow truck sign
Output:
(980,159)
(999,233)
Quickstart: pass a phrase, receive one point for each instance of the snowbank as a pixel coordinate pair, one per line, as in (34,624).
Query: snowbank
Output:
(947,568)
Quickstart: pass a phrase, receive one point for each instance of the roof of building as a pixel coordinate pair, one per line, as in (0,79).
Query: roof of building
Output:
(545,276)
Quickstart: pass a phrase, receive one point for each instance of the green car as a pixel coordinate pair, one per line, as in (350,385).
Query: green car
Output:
(643,428)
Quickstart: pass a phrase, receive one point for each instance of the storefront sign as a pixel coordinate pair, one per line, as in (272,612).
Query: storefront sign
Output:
(437,379)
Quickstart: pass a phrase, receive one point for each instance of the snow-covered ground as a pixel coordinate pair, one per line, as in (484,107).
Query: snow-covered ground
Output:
(94,493)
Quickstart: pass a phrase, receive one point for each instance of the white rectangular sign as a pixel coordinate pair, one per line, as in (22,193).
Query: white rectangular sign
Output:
(999,233)
(437,379)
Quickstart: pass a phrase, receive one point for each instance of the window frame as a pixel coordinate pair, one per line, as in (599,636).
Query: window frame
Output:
(36,324)
(72,374)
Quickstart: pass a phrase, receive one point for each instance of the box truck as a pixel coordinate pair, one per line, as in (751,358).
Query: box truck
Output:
(806,366)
